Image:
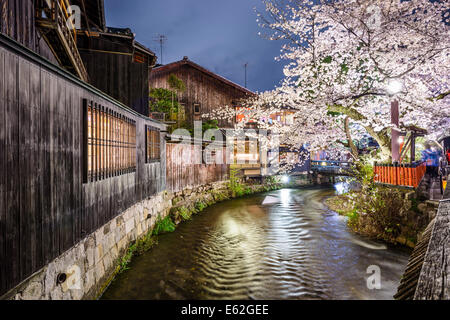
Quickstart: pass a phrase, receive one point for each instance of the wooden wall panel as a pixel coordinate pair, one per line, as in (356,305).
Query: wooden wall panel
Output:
(3,283)
(26,211)
(182,170)
(45,185)
(17,22)
(12,169)
(201,88)
(112,70)
(45,208)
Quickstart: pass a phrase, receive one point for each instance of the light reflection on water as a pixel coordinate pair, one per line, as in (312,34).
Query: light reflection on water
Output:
(287,247)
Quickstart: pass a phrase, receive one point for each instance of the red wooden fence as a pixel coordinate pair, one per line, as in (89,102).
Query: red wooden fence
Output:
(408,175)
(187,169)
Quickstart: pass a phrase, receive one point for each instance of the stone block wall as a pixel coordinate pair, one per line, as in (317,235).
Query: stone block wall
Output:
(84,271)
(88,265)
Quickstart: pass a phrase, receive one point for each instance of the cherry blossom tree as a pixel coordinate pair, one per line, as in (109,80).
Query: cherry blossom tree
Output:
(341,57)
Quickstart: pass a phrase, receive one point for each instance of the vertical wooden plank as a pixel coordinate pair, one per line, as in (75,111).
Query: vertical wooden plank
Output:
(3,260)
(45,190)
(58,162)
(65,104)
(36,167)
(12,168)
(79,158)
(27,212)
(53,166)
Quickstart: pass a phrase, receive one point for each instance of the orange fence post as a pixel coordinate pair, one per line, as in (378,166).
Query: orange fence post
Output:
(396,174)
(409,176)
(390,175)
(386,174)
(401,175)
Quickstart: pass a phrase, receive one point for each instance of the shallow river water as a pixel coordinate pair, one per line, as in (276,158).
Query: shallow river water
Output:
(283,244)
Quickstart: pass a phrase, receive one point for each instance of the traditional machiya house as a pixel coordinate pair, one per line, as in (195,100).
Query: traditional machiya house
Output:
(117,64)
(108,58)
(252,159)
(75,154)
(205,91)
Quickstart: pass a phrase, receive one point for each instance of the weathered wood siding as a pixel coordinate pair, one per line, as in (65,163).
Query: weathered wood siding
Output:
(184,171)
(109,63)
(201,88)
(18,22)
(44,206)
(434,280)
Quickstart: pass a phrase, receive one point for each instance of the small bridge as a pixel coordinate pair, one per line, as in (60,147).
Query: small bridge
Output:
(331,167)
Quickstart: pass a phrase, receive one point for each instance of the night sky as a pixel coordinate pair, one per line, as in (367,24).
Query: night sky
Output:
(218,35)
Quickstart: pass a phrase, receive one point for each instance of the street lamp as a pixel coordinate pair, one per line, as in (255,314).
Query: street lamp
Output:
(394,87)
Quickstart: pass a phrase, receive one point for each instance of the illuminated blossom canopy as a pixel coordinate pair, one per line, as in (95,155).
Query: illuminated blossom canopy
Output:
(341,57)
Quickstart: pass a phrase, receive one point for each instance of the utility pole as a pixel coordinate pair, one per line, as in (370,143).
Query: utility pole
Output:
(245,67)
(161,39)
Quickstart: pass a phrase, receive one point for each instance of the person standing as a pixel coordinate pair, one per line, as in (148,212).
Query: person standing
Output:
(431,159)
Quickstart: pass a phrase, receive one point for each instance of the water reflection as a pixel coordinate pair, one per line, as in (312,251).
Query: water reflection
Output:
(342,187)
(281,245)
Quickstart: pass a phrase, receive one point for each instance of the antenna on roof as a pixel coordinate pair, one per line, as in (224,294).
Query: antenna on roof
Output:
(245,67)
(161,39)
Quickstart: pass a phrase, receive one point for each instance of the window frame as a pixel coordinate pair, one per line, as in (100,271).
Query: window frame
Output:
(199,108)
(152,149)
(109,143)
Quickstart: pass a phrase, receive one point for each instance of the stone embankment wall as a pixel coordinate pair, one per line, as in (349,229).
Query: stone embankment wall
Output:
(83,271)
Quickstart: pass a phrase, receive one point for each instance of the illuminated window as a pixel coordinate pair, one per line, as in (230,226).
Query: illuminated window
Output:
(110,143)
(153,144)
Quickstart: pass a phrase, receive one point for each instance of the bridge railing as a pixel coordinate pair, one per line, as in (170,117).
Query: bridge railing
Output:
(317,164)
(400,174)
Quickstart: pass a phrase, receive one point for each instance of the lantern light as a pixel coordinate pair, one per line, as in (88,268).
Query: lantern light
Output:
(394,86)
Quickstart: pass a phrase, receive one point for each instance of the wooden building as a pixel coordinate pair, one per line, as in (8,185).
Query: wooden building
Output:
(108,58)
(115,62)
(72,157)
(18,21)
(118,65)
(205,90)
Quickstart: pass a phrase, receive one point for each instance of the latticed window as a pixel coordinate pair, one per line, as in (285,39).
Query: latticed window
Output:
(110,143)
(153,144)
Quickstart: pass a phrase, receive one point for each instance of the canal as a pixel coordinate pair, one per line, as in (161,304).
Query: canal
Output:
(283,244)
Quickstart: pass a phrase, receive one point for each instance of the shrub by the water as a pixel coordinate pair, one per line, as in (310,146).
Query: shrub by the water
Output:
(378,212)
(163,226)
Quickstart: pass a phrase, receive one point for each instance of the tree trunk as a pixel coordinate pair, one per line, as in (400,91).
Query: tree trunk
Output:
(352,146)
(382,137)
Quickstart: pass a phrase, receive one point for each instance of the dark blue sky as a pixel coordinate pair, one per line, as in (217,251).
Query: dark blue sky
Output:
(219,35)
